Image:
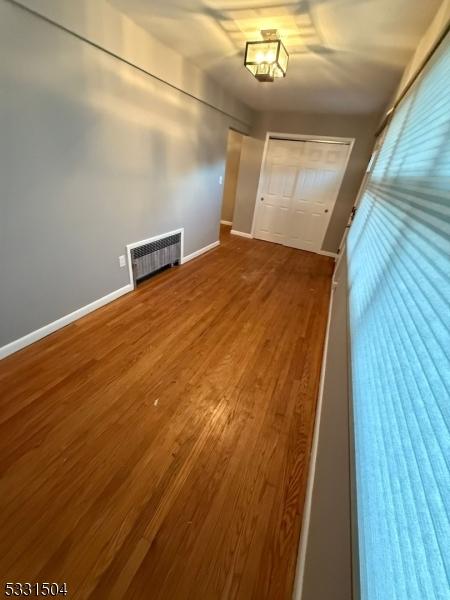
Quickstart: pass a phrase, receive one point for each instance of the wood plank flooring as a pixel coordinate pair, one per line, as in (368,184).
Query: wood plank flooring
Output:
(158,448)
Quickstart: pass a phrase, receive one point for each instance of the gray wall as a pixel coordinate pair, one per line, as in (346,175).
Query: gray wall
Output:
(362,128)
(327,544)
(103,23)
(234,147)
(247,185)
(94,154)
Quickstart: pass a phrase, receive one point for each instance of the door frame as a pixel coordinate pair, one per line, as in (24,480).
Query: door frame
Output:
(301,137)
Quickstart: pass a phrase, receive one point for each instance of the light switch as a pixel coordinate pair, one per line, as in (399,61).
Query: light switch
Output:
(122,261)
(220,180)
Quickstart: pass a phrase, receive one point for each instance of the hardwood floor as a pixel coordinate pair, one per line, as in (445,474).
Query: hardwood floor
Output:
(158,448)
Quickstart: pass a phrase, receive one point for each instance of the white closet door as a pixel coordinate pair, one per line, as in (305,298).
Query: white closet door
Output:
(279,179)
(299,188)
(319,178)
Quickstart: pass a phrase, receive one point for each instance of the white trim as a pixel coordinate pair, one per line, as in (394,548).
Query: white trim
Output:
(326,253)
(34,336)
(306,520)
(308,138)
(241,233)
(259,189)
(226,223)
(207,248)
(129,247)
(300,137)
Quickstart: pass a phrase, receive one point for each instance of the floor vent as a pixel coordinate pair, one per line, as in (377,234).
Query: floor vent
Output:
(151,257)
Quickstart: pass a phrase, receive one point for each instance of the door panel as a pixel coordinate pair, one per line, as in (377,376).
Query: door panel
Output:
(279,181)
(272,221)
(298,226)
(290,174)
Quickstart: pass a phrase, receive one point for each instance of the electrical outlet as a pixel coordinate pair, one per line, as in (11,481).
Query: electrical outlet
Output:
(122,261)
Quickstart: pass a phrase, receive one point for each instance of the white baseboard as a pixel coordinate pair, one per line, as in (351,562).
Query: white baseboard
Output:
(34,336)
(307,507)
(226,223)
(199,252)
(242,233)
(326,253)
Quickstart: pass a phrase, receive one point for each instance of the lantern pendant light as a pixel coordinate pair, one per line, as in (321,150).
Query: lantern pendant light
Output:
(266,59)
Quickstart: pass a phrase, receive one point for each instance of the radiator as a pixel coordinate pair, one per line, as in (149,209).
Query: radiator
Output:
(149,258)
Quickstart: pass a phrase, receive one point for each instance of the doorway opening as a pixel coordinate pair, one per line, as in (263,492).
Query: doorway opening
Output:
(301,176)
(234,147)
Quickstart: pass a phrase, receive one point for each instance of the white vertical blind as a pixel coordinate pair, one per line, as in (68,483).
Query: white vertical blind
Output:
(399,292)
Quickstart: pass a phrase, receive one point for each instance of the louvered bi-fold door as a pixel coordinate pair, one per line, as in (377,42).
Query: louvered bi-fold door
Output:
(399,269)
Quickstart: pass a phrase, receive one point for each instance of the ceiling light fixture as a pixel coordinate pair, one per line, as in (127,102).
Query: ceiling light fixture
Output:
(268,58)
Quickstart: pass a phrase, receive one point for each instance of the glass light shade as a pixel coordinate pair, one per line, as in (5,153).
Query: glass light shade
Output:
(266,59)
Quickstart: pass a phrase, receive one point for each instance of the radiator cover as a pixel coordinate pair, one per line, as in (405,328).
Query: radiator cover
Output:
(151,257)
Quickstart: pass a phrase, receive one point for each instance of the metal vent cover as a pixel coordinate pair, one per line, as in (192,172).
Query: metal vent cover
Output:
(151,257)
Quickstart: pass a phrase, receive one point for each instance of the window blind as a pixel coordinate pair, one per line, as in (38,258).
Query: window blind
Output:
(399,266)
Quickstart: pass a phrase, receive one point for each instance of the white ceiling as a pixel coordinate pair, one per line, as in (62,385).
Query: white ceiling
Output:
(346,56)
